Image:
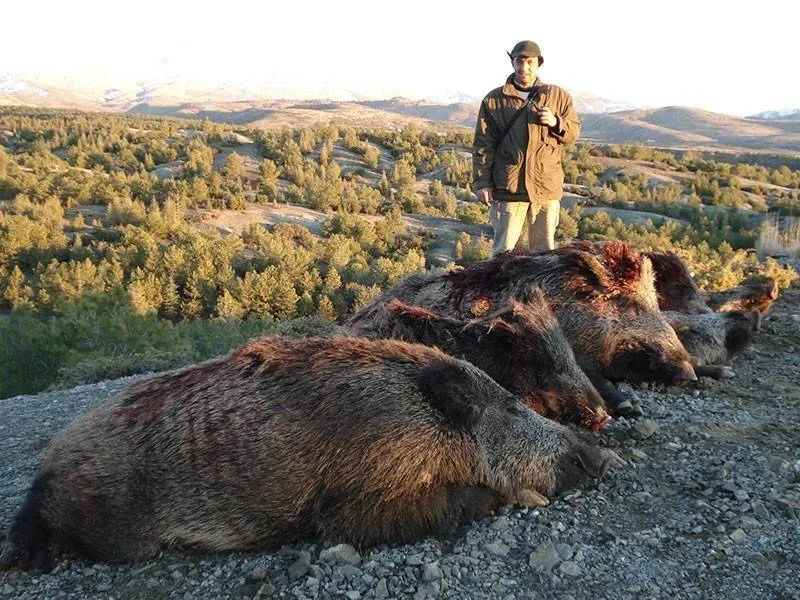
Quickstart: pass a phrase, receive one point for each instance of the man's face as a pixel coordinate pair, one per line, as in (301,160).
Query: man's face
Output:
(525,69)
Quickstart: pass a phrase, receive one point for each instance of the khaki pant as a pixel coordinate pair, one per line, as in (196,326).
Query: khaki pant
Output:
(507,219)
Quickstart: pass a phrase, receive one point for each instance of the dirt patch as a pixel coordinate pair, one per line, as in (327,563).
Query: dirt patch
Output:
(250,156)
(446,229)
(236,221)
(168,170)
(656,175)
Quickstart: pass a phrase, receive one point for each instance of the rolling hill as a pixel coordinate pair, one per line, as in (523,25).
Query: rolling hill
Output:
(677,126)
(236,103)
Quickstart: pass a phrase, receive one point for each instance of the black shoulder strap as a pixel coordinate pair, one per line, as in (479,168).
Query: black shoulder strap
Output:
(513,120)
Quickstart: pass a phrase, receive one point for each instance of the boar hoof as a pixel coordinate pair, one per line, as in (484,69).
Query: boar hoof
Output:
(587,464)
(531,498)
(628,409)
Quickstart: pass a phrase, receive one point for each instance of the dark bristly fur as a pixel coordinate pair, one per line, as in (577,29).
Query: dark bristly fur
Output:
(715,338)
(349,440)
(675,287)
(712,332)
(750,297)
(677,291)
(603,296)
(521,346)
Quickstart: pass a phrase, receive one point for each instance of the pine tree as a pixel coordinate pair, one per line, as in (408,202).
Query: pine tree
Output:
(305,305)
(170,299)
(233,168)
(371,156)
(463,241)
(307,141)
(384,187)
(269,179)
(325,308)
(154,221)
(326,152)
(228,307)
(15,288)
(191,306)
(78,223)
(333,281)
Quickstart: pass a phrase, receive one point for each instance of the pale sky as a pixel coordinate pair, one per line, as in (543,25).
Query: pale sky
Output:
(734,58)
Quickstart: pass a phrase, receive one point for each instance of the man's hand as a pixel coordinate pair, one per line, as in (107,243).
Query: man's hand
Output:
(546,117)
(484,196)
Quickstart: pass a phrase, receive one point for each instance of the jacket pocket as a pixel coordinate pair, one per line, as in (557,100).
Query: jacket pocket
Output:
(551,174)
(507,170)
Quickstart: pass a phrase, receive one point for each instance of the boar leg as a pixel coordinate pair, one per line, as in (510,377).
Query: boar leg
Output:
(714,371)
(468,503)
(447,509)
(440,511)
(620,404)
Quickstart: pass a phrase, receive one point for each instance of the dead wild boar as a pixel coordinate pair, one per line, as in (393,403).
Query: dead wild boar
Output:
(713,327)
(675,287)
(521,346)
(602,295)
(677,291)
(713,339)
(345,439)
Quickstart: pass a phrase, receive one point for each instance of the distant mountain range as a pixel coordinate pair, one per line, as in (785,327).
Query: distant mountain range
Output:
(604,120)
(163,91)
(792,114)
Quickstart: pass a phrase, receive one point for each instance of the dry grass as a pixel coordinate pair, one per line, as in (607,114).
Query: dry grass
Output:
(779,237)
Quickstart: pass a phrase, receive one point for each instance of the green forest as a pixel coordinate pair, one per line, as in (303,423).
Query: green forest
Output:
(109,267)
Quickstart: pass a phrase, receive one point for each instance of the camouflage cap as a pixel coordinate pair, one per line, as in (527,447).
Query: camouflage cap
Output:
(526,48)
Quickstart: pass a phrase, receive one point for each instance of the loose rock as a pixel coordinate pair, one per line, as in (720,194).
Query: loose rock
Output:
(342,554)
(570,568)
(738,536)
(644,429)
(431,572)
(545,557)
(497,548)
(300,567)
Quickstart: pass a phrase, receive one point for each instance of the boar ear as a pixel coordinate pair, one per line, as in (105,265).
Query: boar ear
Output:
(414,314)
(584,275)
(496,328)
(416,324)
(451,389)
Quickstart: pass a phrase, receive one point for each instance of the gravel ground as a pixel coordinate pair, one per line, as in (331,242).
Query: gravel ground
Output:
(708,507)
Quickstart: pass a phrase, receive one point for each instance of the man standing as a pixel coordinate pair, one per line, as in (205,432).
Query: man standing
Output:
(516,163)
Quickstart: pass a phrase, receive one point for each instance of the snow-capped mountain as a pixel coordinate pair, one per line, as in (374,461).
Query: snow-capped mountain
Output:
(10,84)
(452,98)
(589,103)
(168,87)
(790,114)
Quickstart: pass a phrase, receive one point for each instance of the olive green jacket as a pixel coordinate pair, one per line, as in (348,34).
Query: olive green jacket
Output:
(527,165)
